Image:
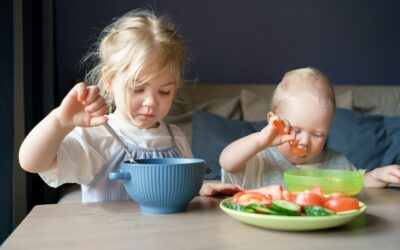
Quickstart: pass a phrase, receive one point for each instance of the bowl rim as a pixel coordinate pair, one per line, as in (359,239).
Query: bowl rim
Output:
(166,161)
(299,173)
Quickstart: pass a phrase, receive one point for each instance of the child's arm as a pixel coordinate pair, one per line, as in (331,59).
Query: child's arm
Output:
(383,176)
(234,157)
(83,106)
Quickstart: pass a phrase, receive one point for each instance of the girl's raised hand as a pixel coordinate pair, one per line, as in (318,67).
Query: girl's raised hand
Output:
(83,107)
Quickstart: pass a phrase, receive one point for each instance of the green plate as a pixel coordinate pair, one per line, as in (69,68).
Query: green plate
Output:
(292,223)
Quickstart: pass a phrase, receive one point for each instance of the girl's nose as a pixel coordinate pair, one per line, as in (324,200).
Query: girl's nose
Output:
(150,100)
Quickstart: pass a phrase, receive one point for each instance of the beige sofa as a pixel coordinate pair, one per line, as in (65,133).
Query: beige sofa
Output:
(251,102)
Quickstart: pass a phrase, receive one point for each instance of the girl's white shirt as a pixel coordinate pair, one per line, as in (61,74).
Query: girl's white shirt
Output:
(84,151)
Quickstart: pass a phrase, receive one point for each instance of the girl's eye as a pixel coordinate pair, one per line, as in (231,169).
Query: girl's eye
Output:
(164,92)
(138,90)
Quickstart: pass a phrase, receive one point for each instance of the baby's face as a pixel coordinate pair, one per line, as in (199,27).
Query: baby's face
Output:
(311,122)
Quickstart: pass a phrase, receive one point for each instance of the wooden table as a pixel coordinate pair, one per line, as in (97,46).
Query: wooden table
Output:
(120,225)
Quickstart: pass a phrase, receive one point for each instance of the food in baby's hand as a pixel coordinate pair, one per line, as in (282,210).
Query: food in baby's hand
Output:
(293,148)
(273,200)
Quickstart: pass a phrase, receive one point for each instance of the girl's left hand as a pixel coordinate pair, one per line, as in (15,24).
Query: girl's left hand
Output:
(214,189)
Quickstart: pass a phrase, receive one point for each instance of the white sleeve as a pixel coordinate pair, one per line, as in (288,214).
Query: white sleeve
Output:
(78,161)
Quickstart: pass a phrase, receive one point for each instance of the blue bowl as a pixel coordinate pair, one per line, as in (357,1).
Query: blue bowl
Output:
(161,186)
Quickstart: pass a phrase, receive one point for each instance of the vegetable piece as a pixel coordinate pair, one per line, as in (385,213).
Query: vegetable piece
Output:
(236,196)
(293,148)
(263,209)
(272,191)
(238,207)
(307,199)
(342,204)
(248,198)
(316,190)
(286,207)
(317,211)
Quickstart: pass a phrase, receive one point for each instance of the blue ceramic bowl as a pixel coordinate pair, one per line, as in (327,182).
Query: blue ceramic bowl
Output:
(161,186)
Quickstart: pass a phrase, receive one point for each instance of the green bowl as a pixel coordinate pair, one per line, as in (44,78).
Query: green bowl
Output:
(331,181)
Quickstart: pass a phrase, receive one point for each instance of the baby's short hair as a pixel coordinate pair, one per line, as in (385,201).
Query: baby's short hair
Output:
(309,81)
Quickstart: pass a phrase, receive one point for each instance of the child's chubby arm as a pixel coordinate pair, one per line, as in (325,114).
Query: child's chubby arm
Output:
(234,157)
(383,176)
(83,106)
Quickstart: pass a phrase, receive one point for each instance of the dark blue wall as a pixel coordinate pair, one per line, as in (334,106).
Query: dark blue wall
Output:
(7,117)
(233,41)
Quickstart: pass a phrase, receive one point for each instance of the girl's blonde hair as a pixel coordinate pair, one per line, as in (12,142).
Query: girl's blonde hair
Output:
(308,81)
(132,43)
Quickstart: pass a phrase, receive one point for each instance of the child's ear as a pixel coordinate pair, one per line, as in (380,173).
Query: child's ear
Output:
(106,78)
(269,115)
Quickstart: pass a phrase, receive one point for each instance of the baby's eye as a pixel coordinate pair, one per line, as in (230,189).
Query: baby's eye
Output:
(296,130)
(316,134)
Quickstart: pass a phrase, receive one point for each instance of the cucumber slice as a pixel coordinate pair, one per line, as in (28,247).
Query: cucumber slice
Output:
(237,207)
(263,209)
(317,211)
(286,207)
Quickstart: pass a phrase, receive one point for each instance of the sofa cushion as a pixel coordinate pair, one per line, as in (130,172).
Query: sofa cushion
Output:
(368,141)
(212,133)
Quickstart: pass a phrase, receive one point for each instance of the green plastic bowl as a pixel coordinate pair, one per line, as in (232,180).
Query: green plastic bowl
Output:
(331,181)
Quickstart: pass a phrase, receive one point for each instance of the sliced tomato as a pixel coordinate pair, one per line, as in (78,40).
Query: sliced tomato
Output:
(236,196)
(316,190)
(274,191)
(307,199)
(248,198)
(341,204)
(336,195)
(286,195)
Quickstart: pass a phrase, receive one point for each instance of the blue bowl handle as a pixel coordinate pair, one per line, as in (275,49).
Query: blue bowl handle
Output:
(119,175)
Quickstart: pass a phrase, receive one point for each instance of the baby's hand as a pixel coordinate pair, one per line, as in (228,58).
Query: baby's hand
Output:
(214,189)
(83,107)
(381,177)
(273,135)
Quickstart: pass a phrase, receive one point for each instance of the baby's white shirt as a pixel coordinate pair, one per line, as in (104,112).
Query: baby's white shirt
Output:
(268,166)
(84,151)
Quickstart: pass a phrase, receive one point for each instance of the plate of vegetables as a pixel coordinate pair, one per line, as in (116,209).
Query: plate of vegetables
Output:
(272,207)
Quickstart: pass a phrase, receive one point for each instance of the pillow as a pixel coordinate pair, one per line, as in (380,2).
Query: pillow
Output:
(368,141)
(255,106)
(212,133)
(227,107)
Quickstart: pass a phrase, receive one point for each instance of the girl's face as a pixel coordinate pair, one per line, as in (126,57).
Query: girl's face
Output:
(311,122)
(147,104)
